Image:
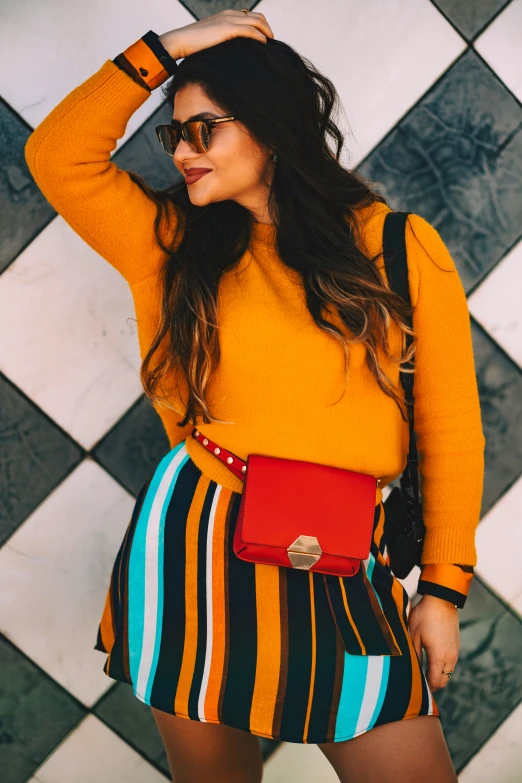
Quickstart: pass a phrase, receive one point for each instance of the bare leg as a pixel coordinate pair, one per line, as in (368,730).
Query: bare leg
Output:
(404,751)
(199,751)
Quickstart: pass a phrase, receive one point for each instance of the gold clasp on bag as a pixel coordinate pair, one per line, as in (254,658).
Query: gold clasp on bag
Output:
(304,552)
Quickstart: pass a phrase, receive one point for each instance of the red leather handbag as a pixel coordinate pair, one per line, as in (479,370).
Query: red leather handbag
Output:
(301,514)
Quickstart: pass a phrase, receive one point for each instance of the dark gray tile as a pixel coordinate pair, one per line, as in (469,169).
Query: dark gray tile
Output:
(134,446)
(487,684)
(120,709)
(471,16)
(35,714)
(23,209)
(456,159)
(500,389)
(36,456)
(144,155)
(203,8)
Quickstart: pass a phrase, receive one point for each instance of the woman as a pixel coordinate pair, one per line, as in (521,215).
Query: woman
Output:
(298,357)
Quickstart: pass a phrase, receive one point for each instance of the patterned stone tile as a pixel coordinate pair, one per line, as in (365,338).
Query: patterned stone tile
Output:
(336,36)
(495,303)
(487,684)
(203,8)
(498,564)
(470,18)
(456,159)
(70,42)
(501,757)
(132,720)
(36,456)
(54,575)
(23,209)
(500,388)
(499,45)
(134,446)
(35,714)
(95,753)
(79,358)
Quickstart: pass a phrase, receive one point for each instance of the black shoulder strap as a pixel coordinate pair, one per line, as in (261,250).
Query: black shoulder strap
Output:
(396,267)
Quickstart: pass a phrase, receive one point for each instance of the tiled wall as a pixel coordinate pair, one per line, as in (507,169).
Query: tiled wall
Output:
(432,93)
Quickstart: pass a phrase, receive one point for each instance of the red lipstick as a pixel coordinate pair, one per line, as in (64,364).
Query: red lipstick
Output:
(193,174)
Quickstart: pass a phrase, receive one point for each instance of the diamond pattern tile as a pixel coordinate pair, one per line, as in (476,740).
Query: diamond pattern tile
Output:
(134,446)
(487,684)
(436,124)
(456,159)
(54,573)
(500,389)
(82,38)
(499,45)
(495,303)
(502,523)
(94,752)
(390,77)
(85,345)
(501,756)
(23,209)
(36,457)
(132,721)
(35,714)
(470,18)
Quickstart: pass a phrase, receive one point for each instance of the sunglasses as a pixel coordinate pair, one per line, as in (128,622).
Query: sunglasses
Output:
(195,132)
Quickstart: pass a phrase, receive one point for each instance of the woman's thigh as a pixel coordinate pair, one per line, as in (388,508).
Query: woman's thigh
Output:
(400,752)
(199,751)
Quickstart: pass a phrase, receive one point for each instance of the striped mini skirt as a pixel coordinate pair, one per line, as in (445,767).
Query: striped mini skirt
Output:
(279,652)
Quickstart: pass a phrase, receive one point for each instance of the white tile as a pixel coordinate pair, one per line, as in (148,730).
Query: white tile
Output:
(499,541)
(72,344)
(496,302)
(499,44)
(411,581)
(54,574)
(380,58)
(295,762)
(92,752)
(500,759)
(69,42)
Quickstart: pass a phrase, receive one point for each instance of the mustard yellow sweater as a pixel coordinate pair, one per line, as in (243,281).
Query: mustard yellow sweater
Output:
(279,374)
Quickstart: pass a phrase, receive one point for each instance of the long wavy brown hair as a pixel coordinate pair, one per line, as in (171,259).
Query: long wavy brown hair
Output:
(288,106)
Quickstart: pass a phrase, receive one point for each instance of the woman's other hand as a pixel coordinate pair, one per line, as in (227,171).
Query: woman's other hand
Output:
(434,625)
(213,30)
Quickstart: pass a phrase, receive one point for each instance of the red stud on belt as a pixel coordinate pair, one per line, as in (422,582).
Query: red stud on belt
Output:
(233,463)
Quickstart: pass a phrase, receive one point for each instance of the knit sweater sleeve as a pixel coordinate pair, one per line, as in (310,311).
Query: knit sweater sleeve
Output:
(448,426)
(68,155)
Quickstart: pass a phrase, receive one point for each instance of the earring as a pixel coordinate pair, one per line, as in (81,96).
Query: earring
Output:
(274,158)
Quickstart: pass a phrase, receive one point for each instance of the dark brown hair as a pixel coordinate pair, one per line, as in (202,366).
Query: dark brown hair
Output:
(288,106)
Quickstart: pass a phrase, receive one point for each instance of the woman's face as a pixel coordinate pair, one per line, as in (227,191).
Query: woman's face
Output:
(240,168)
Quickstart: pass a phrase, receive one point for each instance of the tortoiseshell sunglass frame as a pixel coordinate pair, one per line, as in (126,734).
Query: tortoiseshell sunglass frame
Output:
(195,132)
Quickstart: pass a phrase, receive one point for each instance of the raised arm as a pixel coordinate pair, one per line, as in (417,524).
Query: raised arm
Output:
(68,155)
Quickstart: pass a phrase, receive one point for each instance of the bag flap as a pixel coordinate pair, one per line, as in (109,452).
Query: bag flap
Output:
(286,498)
